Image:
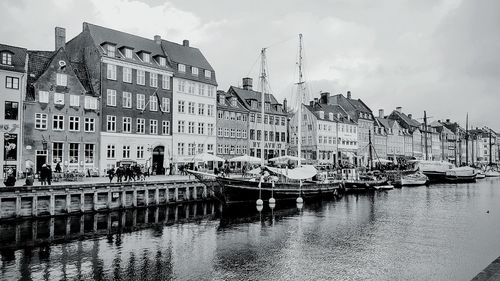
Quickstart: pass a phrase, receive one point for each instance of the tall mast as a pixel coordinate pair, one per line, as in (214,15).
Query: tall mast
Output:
(490,149)
(467,139)
(425,134)
(301,99)
(263,102)
(370,148)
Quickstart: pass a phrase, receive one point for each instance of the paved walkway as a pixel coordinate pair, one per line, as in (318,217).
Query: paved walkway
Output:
(91,180)
(490,273)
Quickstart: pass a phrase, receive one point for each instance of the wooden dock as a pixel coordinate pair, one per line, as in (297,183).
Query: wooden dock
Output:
(40,201)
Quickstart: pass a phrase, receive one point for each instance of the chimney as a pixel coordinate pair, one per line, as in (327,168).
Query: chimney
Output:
(285,105)
(315,100)
(447,120)
(349,94)
(381,113)
(410,116)
(399,109)
(311,103)
(60,37)
(324,97)
(158,39)
(185,43)
(247,83)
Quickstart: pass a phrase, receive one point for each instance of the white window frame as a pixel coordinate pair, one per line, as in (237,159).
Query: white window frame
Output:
(110,123)
(74,123)
(89,125)
(127,100)
(208,74)
(153,103)
(41,120)
(153,127)
(153,79)
(110,50)
(127,125)
(181,68)
(165,127)
(110,97)
(194,71)
(141,77)
(110,151)
(74,100)
(111,71)
(90,103)
(127,74)
(165,104)
(43,96)
(128,53)
(59,98)
(141,126)
(141,101)
(61,79)
(59,120)
(165,81)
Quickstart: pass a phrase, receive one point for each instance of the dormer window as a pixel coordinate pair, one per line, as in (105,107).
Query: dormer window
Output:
(330,116)
(110,50)
(234,102)
(6,58)
(162,61)
(181,67)
(145,57)
(208,74)
(222,99)
(194,71)
(267,106)
(253,104)
(128,53)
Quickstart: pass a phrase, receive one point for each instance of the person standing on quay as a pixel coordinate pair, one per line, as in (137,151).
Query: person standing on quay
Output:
(49,174)
(43,175)
(111,174)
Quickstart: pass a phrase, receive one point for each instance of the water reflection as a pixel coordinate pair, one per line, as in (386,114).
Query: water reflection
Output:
(423,233)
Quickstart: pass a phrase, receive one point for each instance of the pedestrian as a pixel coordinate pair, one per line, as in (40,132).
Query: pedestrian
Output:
(10,180)
(29,177)
(111,174)
(58,167)
(49,174)
(43,175)
(119,173)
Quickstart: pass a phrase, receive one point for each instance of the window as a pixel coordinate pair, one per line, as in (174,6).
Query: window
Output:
(180,148)
(74,100)
(153,79)
(127,125)
(283,137)
(211,91)
(110,50)
(41,121)
(201,109)
(220,132)
(146,57)
(208,74)
(126,151)
(111,123)
(58,122)
(74,123)
(266,119)
(165,105)
(153,127)
(6,58)
(140,152)
(191,107)
(259,135)
(181,106)
(141,126)
(201,147)
(153,103)
(165,82)
(61,79)
(74,155)
(252,117)
(181,86)
(141,77)
(141,101)
(191,148)
(110,151)
(191,88)
(190,127)
(89,153)
(211,129)
(59,98)
(220,114)
(201,128)
(233,133)
(90,103)
(181,67)
(57,152)
(89,124)
(244,133)
(227,115)
(127,74)
(180,126)
(111,97)
(43,96)
(252,134)
(127,100)
(111,72)
(163,61)
(283,121)
(194,71)
(226,133)
(165,127)
(11,110)
(210,110)
(128,53)
(201,91)
(11,82)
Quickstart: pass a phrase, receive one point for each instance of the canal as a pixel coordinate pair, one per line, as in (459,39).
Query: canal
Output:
(440,232)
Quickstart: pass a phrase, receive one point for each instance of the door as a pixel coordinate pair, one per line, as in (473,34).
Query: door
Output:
(40,160)
(158,158)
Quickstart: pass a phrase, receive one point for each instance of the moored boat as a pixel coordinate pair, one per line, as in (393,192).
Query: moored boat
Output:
(414,179)
(461,174)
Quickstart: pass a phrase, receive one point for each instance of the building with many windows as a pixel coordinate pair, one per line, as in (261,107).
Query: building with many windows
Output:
(270,128)
(232,126)
(13,62)
(60,112)
(133,77)
(194,101)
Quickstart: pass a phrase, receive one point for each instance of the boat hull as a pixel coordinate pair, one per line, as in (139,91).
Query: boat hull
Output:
(461,179)
(360,185)
(239,190)
(435,177)
(405,182)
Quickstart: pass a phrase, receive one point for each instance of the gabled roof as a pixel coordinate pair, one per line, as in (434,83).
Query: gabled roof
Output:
(227,105)
(359,105)
(18,58)
(384,122)
(406,119)
(330,108)
(185,55)
(246,95)
(102,35)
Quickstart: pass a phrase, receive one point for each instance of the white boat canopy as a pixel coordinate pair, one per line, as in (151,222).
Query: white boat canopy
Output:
(300,173)
(286,158)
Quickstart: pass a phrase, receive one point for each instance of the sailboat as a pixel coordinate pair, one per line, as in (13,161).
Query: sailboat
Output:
(275,183)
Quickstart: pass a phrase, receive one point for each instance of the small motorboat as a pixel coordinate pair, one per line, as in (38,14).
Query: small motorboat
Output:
(480,174)
(414,179)
(384,187)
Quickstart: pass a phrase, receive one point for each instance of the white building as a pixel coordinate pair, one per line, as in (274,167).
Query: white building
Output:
(13,62)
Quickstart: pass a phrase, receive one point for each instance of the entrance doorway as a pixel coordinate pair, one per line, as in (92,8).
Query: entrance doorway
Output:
(158,158)
(41,158)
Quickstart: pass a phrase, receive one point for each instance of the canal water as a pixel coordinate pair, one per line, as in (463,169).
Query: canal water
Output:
(440,232)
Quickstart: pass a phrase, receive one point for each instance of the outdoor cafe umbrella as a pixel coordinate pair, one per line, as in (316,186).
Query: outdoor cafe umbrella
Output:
(245,158)
(206,157)
(286,158)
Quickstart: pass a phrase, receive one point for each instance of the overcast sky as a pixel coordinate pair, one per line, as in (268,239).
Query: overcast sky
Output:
(442,56)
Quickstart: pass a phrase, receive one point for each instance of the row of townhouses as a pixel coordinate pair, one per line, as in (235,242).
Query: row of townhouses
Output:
(107,98)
